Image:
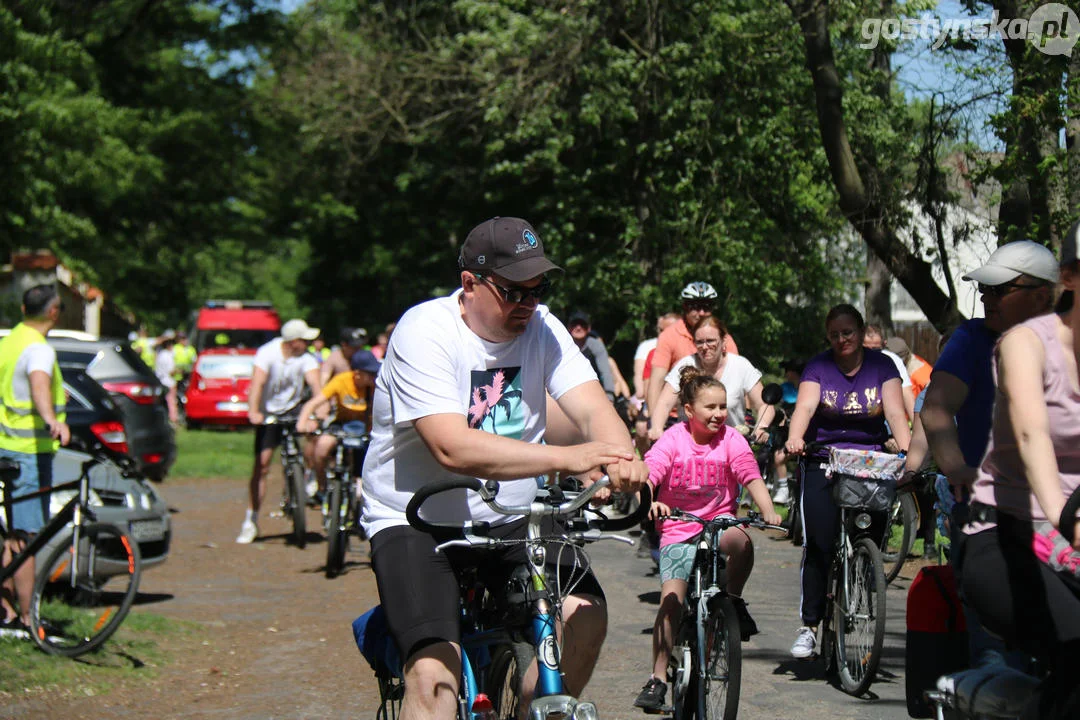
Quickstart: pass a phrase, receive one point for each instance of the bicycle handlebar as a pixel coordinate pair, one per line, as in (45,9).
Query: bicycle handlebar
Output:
(489,489)
(723,522)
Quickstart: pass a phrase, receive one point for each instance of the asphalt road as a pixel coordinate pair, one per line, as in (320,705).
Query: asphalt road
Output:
(774,685)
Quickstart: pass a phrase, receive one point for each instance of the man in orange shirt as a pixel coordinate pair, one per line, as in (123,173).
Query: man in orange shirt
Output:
(918,368)
(677,341)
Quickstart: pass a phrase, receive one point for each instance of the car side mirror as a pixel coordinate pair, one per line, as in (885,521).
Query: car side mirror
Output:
(9,470)
(772,394)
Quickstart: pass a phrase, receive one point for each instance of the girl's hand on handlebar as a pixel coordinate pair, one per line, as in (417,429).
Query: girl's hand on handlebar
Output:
(772,518)
(659,510)
(795,446)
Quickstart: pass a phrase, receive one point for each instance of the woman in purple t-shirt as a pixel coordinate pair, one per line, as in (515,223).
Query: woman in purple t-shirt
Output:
(845,396)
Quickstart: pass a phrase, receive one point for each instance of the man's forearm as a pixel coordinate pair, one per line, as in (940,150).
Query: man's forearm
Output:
(943,439)
(41,395)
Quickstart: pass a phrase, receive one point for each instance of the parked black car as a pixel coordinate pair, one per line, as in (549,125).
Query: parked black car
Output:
(135,393)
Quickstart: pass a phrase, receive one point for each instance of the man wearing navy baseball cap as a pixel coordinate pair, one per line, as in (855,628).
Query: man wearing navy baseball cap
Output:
(464,390)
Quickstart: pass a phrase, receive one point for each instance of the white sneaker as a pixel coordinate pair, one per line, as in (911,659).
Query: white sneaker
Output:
(311,487)
(248,532)
(804,644)
(783,495)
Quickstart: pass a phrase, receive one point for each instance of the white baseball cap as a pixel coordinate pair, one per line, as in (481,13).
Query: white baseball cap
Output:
(297,330)
(1011,260)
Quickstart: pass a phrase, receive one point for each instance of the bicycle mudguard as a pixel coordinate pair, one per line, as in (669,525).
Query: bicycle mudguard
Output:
(372,635)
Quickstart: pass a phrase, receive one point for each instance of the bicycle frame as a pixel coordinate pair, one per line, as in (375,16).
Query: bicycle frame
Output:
(72,511)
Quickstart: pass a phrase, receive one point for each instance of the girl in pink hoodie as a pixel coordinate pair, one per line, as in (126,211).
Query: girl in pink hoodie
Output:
(698,466)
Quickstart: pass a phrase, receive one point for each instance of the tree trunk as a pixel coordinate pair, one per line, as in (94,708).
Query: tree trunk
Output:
(878,293)
(866,214)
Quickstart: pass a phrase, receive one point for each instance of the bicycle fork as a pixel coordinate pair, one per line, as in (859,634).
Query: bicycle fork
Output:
(551,698)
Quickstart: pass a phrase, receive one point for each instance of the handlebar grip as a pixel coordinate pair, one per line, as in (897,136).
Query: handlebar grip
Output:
(631,520)
(1067,523)
(412,511)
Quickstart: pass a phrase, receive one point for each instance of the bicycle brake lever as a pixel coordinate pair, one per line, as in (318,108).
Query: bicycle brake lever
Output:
(467,541)
(595,535)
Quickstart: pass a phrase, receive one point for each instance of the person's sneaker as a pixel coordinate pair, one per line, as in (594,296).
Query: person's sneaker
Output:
(804,644)
(746,623)
(15,629)
(652,695)
(248,532)
(783,495)
(311,485)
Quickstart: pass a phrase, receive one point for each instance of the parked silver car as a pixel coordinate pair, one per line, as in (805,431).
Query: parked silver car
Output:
(127,502)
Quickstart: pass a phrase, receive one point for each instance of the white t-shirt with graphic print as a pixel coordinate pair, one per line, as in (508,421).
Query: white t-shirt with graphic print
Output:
(435,365)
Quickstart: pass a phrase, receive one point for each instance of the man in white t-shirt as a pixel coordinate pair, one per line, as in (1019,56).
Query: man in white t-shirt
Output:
(874,340)
(283,367)
(464,389)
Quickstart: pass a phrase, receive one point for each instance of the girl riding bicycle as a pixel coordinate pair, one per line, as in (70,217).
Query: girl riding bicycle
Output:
(698,466)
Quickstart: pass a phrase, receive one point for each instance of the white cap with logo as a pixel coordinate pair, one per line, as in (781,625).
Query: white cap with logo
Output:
(1011,260)
(298,330)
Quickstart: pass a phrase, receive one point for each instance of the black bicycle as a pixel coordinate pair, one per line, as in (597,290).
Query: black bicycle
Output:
(341,511)
(84,588)
(705,669)
(294,494)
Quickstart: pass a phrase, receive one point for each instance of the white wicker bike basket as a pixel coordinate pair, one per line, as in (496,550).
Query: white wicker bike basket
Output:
(863,479)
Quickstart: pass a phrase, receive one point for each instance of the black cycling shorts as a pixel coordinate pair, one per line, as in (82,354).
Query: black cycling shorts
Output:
(268,437)
(419,589)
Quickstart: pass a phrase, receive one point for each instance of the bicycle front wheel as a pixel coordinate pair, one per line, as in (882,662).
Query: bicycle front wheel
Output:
(860,618)
(294,476)
(336,539)
(74,612)
(720,648)
(900,535)
(503,683)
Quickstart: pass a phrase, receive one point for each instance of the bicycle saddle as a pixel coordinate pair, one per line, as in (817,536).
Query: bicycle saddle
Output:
(993,691)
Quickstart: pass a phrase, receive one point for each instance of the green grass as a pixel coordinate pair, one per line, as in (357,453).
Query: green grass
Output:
(133,654)
(213,453)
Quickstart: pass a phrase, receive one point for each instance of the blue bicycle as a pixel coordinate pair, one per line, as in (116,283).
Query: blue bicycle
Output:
(504,630)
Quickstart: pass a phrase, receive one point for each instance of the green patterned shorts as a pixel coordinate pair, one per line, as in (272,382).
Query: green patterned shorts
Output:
(677,561)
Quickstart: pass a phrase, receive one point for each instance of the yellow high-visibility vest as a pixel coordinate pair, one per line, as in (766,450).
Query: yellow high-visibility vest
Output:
(22,429)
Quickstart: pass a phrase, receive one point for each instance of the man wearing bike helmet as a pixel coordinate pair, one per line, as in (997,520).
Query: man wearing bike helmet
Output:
(677,341)
(340,360)
(470,385)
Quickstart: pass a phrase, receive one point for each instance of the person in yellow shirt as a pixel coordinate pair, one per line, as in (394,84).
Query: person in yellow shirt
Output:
(351,394)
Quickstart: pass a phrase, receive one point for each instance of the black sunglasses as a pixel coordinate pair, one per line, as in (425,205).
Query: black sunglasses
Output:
(1004,289)
(518,294)
(698,304)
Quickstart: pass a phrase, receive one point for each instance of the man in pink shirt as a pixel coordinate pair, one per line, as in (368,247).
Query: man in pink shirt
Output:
(677,341)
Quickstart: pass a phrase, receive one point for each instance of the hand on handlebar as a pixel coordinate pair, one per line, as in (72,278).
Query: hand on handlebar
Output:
(659,510)
(627,475)
(795,446)
(256,417)
(601,496)
(305,425)
(772,518)
(759,435)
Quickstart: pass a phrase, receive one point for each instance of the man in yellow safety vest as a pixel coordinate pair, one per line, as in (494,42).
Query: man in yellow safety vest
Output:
(32,427)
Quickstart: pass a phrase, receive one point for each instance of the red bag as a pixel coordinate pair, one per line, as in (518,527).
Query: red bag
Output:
(937,639)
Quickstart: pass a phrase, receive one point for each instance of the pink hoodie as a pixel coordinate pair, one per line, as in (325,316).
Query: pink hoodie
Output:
(701,479)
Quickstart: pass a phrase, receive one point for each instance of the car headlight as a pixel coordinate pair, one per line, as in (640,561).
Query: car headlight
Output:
(59,499)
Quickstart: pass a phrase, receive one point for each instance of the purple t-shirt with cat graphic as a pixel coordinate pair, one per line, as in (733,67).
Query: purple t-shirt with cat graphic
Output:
(850,413)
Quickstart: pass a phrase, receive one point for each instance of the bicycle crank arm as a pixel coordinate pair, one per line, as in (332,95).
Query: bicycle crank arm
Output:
(562,706)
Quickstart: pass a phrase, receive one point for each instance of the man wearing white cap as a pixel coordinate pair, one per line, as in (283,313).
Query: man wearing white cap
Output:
(282,367)
(1016,284)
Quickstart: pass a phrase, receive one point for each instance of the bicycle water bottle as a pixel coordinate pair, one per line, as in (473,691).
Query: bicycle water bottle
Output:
(482,709)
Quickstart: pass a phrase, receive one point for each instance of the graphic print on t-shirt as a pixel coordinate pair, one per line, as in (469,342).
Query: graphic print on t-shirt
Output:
(495,401)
